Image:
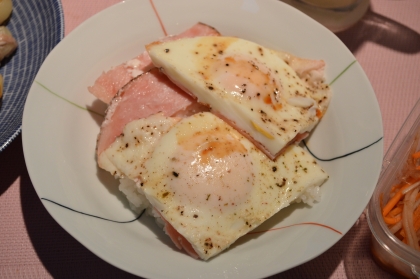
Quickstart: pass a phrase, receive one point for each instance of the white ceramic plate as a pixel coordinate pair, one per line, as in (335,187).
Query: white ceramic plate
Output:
(59,136)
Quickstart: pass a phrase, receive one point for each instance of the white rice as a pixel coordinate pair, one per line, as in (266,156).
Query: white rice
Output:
(311,195)
(137,201)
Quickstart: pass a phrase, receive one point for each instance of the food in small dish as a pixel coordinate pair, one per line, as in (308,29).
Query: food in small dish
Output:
(8,43)
(394,208)
(402,212)
(6,8)
(177,156)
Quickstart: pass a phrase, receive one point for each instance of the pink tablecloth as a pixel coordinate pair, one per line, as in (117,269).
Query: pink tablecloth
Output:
(386,44)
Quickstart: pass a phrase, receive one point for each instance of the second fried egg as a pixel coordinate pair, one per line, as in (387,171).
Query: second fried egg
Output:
(247,84)
(212,185)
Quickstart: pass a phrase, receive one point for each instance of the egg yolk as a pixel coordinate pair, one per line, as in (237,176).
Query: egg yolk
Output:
(212,171)
(241,76)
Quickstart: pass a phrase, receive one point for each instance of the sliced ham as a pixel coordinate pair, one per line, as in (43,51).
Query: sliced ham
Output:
(147,94)
(307,69)
(180,241)
(108,84)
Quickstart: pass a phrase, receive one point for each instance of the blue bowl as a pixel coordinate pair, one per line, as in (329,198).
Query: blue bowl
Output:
(38,26)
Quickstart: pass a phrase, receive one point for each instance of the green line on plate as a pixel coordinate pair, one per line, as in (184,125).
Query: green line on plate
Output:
(348,67)
(70,102)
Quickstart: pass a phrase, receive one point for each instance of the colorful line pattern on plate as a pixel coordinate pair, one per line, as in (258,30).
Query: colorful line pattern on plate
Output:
(298,224)
(274,229)
(141,214)
(91,215)
(158,17)
(68,101)
(340,156)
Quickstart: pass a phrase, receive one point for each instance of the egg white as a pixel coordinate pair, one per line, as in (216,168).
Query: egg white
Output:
(247,84)
(126,155)
(213,185)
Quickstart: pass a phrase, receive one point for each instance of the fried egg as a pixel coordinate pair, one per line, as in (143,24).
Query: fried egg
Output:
(248,85)
(212,185)
(125,156)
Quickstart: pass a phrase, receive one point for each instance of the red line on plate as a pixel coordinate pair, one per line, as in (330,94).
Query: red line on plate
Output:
(305,223)
(158,17)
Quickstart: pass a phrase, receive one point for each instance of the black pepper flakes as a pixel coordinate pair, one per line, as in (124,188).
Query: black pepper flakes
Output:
(282,183)
(175,174)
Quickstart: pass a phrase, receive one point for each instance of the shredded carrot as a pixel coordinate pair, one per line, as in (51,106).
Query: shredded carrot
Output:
(395,211)
(396,188)
(392,220)
(393,201)
(405,224)
(417,224)
(416,219)
(416,155)
(319,113)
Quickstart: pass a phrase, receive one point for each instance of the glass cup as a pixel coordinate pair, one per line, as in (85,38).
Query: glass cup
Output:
(336,15)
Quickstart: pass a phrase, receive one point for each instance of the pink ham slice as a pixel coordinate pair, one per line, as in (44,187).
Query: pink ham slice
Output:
(147,94)
(108,84)
(180,241)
